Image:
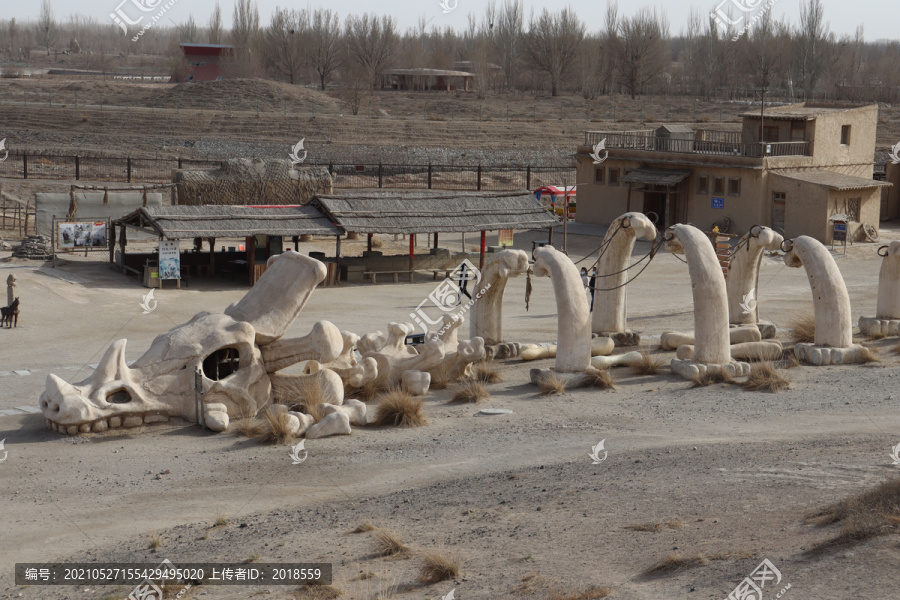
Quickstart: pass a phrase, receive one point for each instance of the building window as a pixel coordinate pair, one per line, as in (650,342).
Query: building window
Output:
(613,176)
(702,185)
(734,186)
(845,135)
(770,133)
(718,186)
(851,209)
(798,131)
(598,175)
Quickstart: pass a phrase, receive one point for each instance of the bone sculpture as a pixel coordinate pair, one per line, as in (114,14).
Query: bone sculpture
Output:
(353,372)
(573,333)
(160,384)
(609,304)
(749,351)
(831,304)
(487,312)
(712,351)
(742,282)
(617,360)
(600,346)
(672,340)
(887,310)
(458,355)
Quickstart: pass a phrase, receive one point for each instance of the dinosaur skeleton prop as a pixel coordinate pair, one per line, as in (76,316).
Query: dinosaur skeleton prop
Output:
(235,352)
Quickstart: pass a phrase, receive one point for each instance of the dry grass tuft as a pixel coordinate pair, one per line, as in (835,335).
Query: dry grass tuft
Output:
(675,562)
(377,243)
(765,377)
(304,394)
(869,355)
(248,427)
(864,516)
(487,373)
(437,567)
(389,543)
(650,363)
(366,393)
(154,543)
(221,519)
(592,593)
(552,385)
(710,377)
(440,378)
(655,526)
(789,359)
(318,592)
(597,378)
(803,328)
(399,408)
(363,528)
(470,391)
(875,336)
(277,428)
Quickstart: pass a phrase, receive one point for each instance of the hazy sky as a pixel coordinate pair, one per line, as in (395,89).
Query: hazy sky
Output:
(878,17)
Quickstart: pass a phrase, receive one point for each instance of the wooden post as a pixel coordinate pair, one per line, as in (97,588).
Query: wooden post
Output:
(550,237)
(369,241)
(123,240)
(481,260)
(337,260)
(53,240)
(668,221)
(628,205)
(112,242)
(412,253)
(212,256)
(296,239)
(435,240)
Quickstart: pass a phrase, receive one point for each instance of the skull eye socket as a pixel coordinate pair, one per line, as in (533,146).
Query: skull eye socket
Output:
(221,363)
(119,397)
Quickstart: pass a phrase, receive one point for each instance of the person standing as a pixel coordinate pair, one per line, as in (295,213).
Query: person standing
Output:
(591,284)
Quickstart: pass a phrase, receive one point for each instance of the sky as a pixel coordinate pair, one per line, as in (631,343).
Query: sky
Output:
(878,17)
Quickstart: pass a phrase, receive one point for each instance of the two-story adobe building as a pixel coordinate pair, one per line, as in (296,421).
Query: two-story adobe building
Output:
(791,168)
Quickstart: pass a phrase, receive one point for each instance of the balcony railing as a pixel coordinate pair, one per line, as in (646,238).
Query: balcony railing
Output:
(725,143)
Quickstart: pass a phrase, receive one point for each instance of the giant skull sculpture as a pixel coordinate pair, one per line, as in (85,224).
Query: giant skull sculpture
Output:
(235,351)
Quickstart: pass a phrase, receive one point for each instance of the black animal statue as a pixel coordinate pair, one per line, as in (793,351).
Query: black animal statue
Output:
(10,314)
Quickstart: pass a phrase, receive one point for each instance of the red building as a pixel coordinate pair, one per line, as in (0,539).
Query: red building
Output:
(202,62)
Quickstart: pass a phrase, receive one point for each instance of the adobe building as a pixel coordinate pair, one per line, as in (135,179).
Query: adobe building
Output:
(812,162)
(202,62)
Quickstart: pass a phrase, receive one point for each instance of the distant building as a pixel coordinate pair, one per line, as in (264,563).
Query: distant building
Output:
(420,79)
(202,62)
(814,161)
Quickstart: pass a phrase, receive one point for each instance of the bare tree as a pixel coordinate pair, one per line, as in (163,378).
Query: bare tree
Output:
(188,31)
(371,43)
(324,47)
(283,43)
(552,44)
(506,35)
(215,25)
(641,52)
(764,56)
(810,40)
(47,32)
(245,37)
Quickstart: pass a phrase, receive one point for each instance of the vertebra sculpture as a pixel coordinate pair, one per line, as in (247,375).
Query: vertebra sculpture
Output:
(887,310)
(831,303)
(743,276)
(573,334)
(609,303)
(487,312)
(712,350)
(235,352)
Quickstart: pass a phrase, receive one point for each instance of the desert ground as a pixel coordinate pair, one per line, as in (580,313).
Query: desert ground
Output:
(704,481)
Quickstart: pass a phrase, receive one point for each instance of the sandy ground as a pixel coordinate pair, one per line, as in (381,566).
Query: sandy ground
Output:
(516,497)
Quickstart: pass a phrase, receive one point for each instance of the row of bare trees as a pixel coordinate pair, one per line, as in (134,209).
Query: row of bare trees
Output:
(508,52)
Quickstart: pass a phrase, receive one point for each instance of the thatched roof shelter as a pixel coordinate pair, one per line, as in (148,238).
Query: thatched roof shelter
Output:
(252,181)
(427,211)
(186,222)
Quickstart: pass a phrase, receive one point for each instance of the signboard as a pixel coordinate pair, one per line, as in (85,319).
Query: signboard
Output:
(840,232)
(169,259)
(81,234)
(718,202)
(505,237)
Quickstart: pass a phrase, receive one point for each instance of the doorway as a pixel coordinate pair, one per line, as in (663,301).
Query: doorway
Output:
(778,202)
